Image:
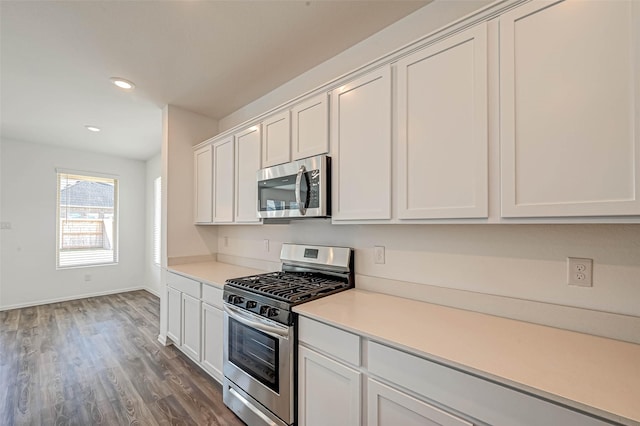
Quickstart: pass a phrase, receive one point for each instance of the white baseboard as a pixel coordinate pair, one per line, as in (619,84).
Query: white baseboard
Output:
(163,340)
(76,297)
(152,291)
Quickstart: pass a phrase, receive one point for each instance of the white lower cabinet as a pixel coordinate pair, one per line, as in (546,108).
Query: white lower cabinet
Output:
(470,397)
(212,340)
(191,326)
(328,391)
(329,379)
(405,389)
(195,321)
(174,318)
(387,406)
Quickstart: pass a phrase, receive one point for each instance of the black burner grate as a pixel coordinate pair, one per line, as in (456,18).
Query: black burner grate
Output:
(290,287)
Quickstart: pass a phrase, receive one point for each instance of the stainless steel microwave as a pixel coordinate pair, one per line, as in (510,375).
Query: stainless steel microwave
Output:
(299,189)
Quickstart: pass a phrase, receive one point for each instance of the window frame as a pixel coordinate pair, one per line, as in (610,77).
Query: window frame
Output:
(89,176)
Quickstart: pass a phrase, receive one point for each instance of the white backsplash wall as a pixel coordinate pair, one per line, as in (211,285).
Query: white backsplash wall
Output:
(517,261)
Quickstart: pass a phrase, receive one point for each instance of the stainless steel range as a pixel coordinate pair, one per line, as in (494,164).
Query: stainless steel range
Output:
(260,339)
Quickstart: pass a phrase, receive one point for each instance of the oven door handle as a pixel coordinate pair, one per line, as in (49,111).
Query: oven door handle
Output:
(245,319)
(301,206)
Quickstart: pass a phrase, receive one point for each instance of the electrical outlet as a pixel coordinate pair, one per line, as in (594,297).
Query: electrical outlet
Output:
(378,254)
(225,241)
(580,271)
(265,244)
(87,277)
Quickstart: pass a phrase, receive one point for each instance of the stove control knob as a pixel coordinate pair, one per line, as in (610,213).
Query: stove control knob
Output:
(272,312)
(251,304)
(235,300)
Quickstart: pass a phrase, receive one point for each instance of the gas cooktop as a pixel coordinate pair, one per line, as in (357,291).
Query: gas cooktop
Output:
(308,272)
(289,287)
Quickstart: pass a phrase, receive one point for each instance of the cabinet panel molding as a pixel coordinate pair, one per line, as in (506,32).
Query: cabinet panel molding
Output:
(390,407)
(247,163)
(570,123)
(328,392)
(276,139)
(191,326)
(310,127)
(203,180)
(361,113)
(212,340)
(223,180)
(442,129)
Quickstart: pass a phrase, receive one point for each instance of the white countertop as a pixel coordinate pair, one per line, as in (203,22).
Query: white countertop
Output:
(211,272)
(594,374)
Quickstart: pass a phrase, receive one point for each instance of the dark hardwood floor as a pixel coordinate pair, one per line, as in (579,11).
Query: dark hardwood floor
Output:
(97,361)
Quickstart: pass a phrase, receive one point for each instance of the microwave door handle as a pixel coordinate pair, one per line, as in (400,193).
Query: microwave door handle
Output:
(301,206)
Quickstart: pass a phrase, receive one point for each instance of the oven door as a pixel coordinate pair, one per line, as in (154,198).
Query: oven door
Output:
(258,359)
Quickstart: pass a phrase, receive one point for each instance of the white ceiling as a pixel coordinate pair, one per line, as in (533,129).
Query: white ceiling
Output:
(209,57)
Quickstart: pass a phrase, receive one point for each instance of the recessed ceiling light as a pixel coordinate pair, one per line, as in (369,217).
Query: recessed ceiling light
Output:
(122,83)
(93,128)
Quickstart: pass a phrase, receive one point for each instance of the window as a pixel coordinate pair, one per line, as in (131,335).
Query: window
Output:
(87,220)
(157,219)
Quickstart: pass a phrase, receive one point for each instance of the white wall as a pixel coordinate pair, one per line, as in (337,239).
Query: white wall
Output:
(182,241)
(182,131)
(28,201)
(517,261)
(152,271)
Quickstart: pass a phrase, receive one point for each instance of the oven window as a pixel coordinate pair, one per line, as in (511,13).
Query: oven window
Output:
(255,352)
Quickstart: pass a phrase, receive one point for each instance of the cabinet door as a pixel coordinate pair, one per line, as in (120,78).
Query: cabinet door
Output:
(203,181)
(570,139)
(191,326)
(223,181)
(310,127)
(174,315)
(442,129)
(247,164)
(328,392)
(276,139)
(212,340)
(361,147)
(390,407)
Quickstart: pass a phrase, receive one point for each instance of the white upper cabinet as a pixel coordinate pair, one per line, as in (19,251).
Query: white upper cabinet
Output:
(203,191)
(569,95)
(361,147)
(442,129)
(310,127)
(247,163)
(276,139)
(223,180)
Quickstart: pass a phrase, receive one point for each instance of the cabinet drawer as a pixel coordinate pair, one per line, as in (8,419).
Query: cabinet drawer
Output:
(212,295)
(388,406)
(338,343)
(473,396)
(185,285)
